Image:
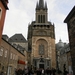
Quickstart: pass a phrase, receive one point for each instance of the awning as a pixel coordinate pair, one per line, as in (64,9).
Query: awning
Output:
(21,62)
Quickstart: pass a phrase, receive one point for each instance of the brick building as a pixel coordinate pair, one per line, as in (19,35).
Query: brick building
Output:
(41,39)
(3,8)
(70,20)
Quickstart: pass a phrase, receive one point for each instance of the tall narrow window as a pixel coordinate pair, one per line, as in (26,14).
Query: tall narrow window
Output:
(38,18)
(5,53)
(41,49)
(0,12)
(11,56)
(43,18)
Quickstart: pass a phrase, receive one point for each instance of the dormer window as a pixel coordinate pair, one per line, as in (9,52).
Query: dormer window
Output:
(0,12)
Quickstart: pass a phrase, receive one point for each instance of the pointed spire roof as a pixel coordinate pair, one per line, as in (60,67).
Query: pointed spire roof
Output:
(37,6)
(41,5)
(45,5)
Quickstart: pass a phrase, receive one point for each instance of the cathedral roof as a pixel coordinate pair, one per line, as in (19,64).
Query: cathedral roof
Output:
(60,43)
(41,5)
(17,38)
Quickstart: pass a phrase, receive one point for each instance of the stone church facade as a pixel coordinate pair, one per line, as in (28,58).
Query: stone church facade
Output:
(41,39)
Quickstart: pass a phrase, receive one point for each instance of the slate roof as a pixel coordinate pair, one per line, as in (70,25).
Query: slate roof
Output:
(70,15)
(4,36)
(17,38)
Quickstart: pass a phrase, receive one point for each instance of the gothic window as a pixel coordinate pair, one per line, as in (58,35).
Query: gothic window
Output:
(0,12)
(41,49)
(43,18)
(38,18)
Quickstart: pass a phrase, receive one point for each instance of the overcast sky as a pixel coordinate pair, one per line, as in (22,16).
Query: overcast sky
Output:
(22,12)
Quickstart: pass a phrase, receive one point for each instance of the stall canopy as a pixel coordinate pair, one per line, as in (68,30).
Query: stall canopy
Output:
(21,62)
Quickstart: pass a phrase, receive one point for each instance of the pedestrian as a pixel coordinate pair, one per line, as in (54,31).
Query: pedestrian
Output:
(38,72)
(16,71)
(47,71)
(43,72)
(53,71)
(1,73)
(25,71)
(20,71)
(50,72)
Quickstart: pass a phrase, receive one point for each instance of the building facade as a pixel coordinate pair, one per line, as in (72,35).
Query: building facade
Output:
(63,55)
(3,8)
(41,39)
(11,58)
(70,20)
(20,41)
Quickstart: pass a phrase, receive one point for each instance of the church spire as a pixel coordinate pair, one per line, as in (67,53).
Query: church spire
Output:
(45,5)
(37,6)
(41,5)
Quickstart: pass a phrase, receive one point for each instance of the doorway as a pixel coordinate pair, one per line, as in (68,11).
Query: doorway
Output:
(41,66)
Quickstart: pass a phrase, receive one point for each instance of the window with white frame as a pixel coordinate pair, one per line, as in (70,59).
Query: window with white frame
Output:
(16,57)
(1,51)
(5,53)
(0,12)
(11,56)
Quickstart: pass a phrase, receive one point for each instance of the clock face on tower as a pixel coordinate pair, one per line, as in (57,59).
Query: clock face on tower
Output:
(41,49)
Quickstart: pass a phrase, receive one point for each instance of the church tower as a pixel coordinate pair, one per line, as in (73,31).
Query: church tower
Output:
(41,39)
(3,8)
